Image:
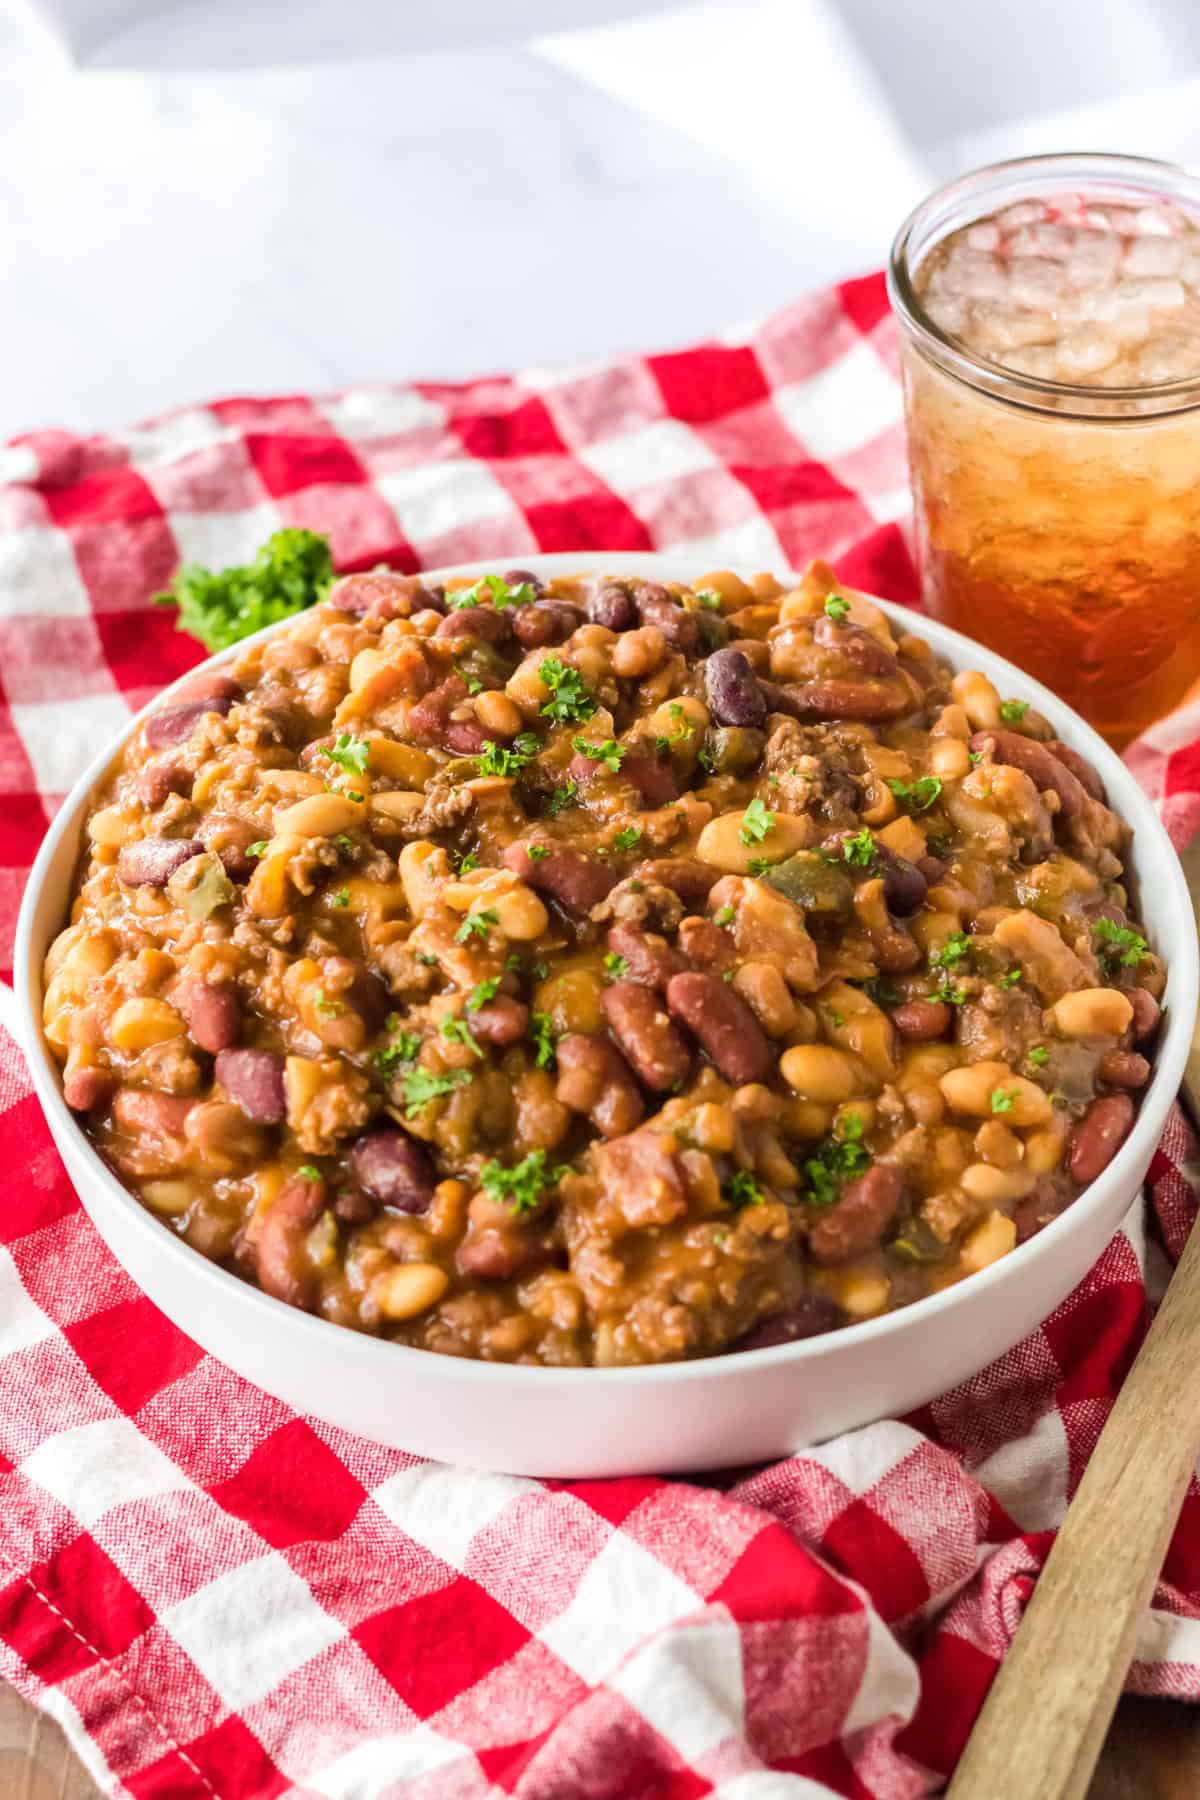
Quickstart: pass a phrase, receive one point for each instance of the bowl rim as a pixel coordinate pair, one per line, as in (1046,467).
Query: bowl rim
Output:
(1183,972)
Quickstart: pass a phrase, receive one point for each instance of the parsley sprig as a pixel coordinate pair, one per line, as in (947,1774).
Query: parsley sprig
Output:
(570,701)
(836,607)
(348,752)
(493,590)
(835,1161)
(742,1189)
(608,751)
(477,924)
(916,796)
(1120,945)
(757,823)
(289,573)
(501,759)
(422,1085)
(522,1185)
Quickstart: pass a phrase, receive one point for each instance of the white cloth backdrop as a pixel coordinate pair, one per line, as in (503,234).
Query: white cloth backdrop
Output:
(207,196)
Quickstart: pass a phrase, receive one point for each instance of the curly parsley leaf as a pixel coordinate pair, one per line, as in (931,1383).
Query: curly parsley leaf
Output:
(502,759)
(457,1031)
(628,839)
(404,1048)
(290,572)
(259,848)
(562,797)
(742,1189)
(1039,1056)
(493,590)
(951,953)
(858,849)
(477,924)
(1003,1098)
(609,752)
(422,1085)
(1013,711)
(708,599)
(837,1159)
(348,752)
(570,701)
(836,608)
(1120,944)
(616,967)
(544,1036)
(521,1187)
(757,823)
(916,796)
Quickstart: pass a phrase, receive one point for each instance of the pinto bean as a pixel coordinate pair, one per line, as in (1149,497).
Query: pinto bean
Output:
(1146,1014)
(1080,768)
(574,880)
(151,861)
(254,1080)
(230,838)
(856,645)
(867,701)
(642,1028)
(1038,762)
(613,606)
(210,684)
(500,1021)
(732,691)
(481,622)
(651,959)
(920,1021)
(380,594)
(732,1037)
(594,1079)
(1098,1136)
(174,724)
(283,1269)
(654,778)
(546,622)
(806,1317)
(866,1208)
(86,1089)
(1124,1069)
(213,1015)
(161,776)
(691,880)
(394,1169)
(656,607)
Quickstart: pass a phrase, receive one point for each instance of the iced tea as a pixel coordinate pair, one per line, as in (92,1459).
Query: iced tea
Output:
(1050,314)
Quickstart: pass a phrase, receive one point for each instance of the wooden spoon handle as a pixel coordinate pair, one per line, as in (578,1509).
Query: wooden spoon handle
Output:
(1044,1721)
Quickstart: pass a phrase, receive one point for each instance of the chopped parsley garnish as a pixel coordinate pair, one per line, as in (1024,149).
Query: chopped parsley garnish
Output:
(725,916)
(457,1031)
(540,970)
(615,967)
(502,759)
(345,843)
(757,823)
(1039,1056)
(544,1036)
(570,701)
(1010,980)
(684,728)
(563,797)
(951,953)
(609,752)
(758,865)
(707,760)
(465,861)
(495,589)
(836,1018)
(328,1009)
(1114,939)
(859,850)
(1002,1099)
(348,752)
(259,848)
(836,608)
(940,845)
(537,852)
(430,961)
(523,1185)
(289,573)
(477,924)
(473,684)
(421,1086)
(742,1189)
(916,796)
(1013,711)
(310,1172)
(341,898)
(627,839)
(882,992)
(948,993)
(404,1048)
(482,992)
(835,1160)
(707,598)
(975,757)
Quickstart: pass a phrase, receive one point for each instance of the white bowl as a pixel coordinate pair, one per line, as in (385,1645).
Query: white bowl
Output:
(719,1412)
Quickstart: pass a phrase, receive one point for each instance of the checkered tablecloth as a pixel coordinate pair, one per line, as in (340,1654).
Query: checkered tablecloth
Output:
(221,1600)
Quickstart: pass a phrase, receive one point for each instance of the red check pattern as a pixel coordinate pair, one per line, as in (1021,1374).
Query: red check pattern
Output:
(223,1601)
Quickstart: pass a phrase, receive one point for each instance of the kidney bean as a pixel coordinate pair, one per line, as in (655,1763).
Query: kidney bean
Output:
(157,1121)
(656,607)
(920,1021)
(254,1080)
(1098,1136)
(213,1015)
(653,777)
(1124,1069)
(692,881)
(475,622)
(1050,1196)
(867,701)
(705,945)
(779,699)
(174,724)
(806,1317)
(429,720)
(379,594)
(1080,768)
(280,1249)
(732,1037)
(394,1169)
(857,645)
(85,1089)
(575,881)
(904,886)
(1039,763)
(732,691)
(210,684)
(933,868)
(655,1047)
(525,578)
(867,1207)
(493,1253)
(500,1021)
(230,838)
(594,1079)
(650,958)
(1146,1014)
(546,622)
(151,861)
(161,776)
(353,1207)
(613,607)
(369,998)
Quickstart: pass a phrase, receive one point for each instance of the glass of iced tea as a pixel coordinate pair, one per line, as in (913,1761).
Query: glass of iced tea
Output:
(1049,316)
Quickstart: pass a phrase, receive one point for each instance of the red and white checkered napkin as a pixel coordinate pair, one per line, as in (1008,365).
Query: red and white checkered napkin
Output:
(224,1601)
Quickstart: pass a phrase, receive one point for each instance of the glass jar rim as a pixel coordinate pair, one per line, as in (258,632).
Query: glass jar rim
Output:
(1000,183)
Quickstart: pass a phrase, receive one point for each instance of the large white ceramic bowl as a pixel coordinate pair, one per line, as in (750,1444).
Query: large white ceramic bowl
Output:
(720,1412)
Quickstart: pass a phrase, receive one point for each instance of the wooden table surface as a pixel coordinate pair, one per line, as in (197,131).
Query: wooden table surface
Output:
(1152,1751)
